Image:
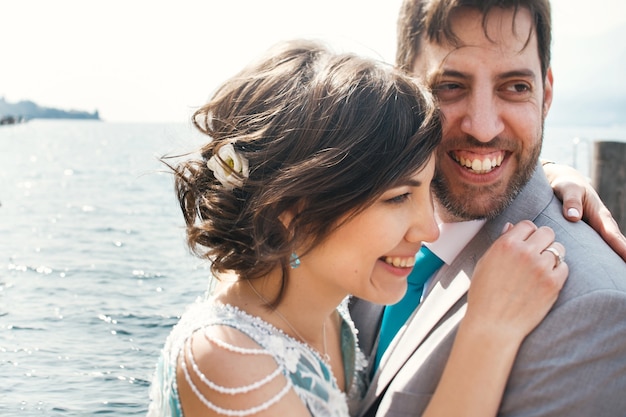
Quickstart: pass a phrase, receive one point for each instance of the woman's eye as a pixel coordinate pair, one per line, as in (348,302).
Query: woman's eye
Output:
(399,198)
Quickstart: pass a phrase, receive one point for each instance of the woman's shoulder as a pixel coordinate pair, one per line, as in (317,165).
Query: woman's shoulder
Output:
(204,312)
(219,353)
(223,369)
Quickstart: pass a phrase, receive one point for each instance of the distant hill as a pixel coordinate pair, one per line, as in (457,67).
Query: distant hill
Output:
(25,110)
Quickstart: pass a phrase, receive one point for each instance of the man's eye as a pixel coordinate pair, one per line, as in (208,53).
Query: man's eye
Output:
(517,91)
(446,87)
(447,91)
(520,88)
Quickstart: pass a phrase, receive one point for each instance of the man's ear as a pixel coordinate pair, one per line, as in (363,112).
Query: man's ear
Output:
(547,92)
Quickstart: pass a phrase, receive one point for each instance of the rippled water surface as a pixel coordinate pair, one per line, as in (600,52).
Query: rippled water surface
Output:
(93,267)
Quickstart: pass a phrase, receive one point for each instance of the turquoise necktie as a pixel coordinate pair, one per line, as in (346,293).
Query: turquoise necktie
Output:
(394,316)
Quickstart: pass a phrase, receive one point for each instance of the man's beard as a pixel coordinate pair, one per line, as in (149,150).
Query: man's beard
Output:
(462,206)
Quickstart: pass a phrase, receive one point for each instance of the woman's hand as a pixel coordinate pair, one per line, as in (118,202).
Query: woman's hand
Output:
(581,201)
(514,285)
(517,281)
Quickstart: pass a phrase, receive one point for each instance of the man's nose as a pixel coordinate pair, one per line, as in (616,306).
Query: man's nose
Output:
(482,119)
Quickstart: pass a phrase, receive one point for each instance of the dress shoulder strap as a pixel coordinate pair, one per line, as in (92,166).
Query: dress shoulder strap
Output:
(189,366)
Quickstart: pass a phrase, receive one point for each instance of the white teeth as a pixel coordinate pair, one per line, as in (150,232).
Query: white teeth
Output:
(480,166)
(400,262)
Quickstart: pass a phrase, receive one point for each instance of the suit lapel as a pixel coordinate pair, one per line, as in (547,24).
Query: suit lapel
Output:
(440,299)
(367,317)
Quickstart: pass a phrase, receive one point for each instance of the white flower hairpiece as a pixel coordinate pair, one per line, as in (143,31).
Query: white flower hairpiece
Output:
(228,167)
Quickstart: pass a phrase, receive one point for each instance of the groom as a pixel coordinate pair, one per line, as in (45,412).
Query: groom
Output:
(489,65)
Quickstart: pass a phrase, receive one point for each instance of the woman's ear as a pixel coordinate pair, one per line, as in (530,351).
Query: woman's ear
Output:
(286,217)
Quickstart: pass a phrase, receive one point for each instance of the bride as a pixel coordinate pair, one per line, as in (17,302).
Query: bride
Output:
(314,185)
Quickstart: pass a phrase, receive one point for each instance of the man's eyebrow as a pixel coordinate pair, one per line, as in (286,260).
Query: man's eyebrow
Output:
(522,73)
(433,78)
(452,73)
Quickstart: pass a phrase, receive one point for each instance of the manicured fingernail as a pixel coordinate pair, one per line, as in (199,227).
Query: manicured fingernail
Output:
(506,227)
(572,212)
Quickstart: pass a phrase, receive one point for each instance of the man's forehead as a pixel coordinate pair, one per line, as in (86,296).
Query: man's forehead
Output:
(505,32)
(498,25)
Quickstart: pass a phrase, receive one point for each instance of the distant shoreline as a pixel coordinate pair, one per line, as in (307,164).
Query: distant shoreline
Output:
(13,113)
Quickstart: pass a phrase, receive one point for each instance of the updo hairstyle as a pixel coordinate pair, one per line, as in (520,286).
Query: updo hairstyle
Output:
(324,134)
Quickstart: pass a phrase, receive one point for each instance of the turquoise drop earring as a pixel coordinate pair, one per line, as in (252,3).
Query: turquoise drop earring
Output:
(294,262)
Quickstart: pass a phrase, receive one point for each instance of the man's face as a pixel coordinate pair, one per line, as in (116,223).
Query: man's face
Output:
(494,101)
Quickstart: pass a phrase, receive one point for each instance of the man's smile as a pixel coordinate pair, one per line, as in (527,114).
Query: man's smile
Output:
(479,164)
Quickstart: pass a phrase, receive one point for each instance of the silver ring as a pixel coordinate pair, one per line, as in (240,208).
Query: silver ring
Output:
(558,258)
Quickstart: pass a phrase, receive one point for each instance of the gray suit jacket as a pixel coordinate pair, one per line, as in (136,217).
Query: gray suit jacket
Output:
(572,364)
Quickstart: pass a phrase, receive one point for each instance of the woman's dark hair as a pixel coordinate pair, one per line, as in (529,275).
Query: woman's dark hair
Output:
(324,134)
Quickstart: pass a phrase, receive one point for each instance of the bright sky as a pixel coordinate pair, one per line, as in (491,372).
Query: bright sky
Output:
(150,60)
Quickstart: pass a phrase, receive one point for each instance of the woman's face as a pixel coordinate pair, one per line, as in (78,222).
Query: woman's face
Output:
(371,254)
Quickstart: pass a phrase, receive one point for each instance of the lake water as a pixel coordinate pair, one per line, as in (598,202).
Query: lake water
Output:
(93,267)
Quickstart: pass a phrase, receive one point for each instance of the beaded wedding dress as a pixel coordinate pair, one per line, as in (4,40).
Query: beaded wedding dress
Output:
(305,371)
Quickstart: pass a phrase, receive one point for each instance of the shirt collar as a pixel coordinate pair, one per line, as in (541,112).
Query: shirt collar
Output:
(453,237)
